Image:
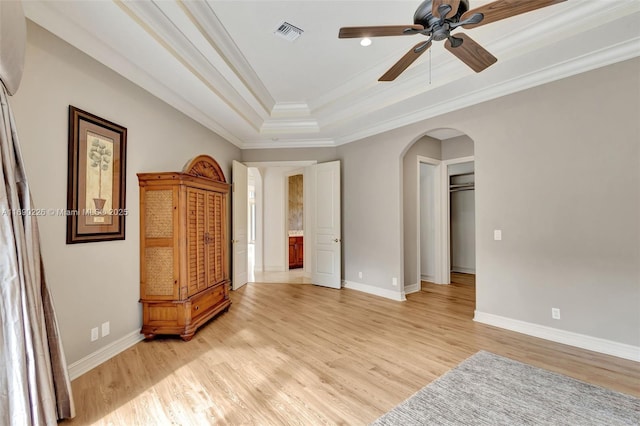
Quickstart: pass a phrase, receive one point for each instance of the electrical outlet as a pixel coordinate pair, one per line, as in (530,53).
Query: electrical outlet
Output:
(94,334)
(106,329)
(555,313)
(360,275)
(394,281)
(497,234)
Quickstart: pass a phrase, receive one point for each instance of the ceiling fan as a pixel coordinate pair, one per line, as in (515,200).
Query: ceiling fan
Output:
(436,19)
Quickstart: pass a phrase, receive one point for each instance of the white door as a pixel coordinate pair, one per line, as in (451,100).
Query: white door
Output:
(239,199)
(326,264)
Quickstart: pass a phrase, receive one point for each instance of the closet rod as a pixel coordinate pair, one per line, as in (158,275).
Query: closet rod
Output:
(463,174)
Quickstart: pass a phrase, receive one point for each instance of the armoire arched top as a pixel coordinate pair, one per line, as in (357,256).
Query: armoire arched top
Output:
(206,167)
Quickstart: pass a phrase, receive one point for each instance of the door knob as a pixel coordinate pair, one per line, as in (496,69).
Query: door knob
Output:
(337,240)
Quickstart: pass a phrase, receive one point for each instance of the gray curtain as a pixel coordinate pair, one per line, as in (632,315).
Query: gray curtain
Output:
(34,382)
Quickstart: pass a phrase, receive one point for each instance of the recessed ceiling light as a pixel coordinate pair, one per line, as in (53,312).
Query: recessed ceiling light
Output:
(365,42)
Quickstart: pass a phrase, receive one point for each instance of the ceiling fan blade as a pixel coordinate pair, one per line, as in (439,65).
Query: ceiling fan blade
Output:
(405,61)
(502,9)
(435,4)
(380,31)
(470,52)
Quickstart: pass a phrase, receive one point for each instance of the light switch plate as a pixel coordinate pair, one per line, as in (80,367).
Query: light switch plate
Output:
(497,234)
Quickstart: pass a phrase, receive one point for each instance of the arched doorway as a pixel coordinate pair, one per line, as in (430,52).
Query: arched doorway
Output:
(438,209)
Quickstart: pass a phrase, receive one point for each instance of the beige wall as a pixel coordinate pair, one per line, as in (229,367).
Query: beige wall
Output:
(371,212)
(558,171)
(458,147)
(96,282)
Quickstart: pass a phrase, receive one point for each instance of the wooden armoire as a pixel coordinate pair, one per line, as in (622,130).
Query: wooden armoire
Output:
(184,260)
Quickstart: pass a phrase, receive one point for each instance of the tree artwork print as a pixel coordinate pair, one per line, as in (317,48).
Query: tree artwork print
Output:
(99,175)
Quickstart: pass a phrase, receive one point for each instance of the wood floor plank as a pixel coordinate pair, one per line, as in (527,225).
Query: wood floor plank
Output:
(300,354)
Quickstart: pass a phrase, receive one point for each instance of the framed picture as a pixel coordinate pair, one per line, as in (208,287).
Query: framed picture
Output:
(96,181)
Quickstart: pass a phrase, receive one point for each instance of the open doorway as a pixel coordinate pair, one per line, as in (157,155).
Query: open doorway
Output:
(438,209)
(317,221)
(295,221)
(254,221)
(462,230)
(271,222)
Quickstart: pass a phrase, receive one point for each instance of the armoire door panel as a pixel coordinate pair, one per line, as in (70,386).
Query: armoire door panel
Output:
(196,228)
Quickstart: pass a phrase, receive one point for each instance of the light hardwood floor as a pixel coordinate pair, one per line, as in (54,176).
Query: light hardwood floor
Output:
(301,354)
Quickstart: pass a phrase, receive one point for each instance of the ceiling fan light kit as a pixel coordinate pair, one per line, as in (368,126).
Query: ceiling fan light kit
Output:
(436,19)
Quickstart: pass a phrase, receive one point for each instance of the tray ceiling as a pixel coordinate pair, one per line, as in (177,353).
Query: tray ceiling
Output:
(220,62)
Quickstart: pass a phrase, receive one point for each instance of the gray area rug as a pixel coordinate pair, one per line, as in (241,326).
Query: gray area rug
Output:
(487,389)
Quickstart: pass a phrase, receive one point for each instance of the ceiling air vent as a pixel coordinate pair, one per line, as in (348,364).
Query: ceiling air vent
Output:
(288,32)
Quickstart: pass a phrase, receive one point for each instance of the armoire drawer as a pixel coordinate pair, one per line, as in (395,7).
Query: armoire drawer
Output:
(203,303)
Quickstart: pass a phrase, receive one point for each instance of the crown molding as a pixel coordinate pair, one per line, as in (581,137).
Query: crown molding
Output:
(207,22)
(290,109)
(288,126)
(63,26)
(161,22)
(289,143)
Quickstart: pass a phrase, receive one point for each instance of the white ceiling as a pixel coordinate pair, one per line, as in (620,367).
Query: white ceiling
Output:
(220,63)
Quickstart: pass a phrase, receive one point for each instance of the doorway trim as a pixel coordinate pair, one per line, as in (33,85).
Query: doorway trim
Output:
(446,214)
(443,218)
(439,272)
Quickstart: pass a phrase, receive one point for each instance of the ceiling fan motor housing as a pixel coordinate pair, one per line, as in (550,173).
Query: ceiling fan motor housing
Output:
(424,17)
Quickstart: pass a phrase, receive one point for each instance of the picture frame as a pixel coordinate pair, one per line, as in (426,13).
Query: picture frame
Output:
(96,181)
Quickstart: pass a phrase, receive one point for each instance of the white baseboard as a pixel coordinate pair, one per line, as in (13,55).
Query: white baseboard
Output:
(583,341)
(377,291)
(431,279)
(103,354)
(412,288)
